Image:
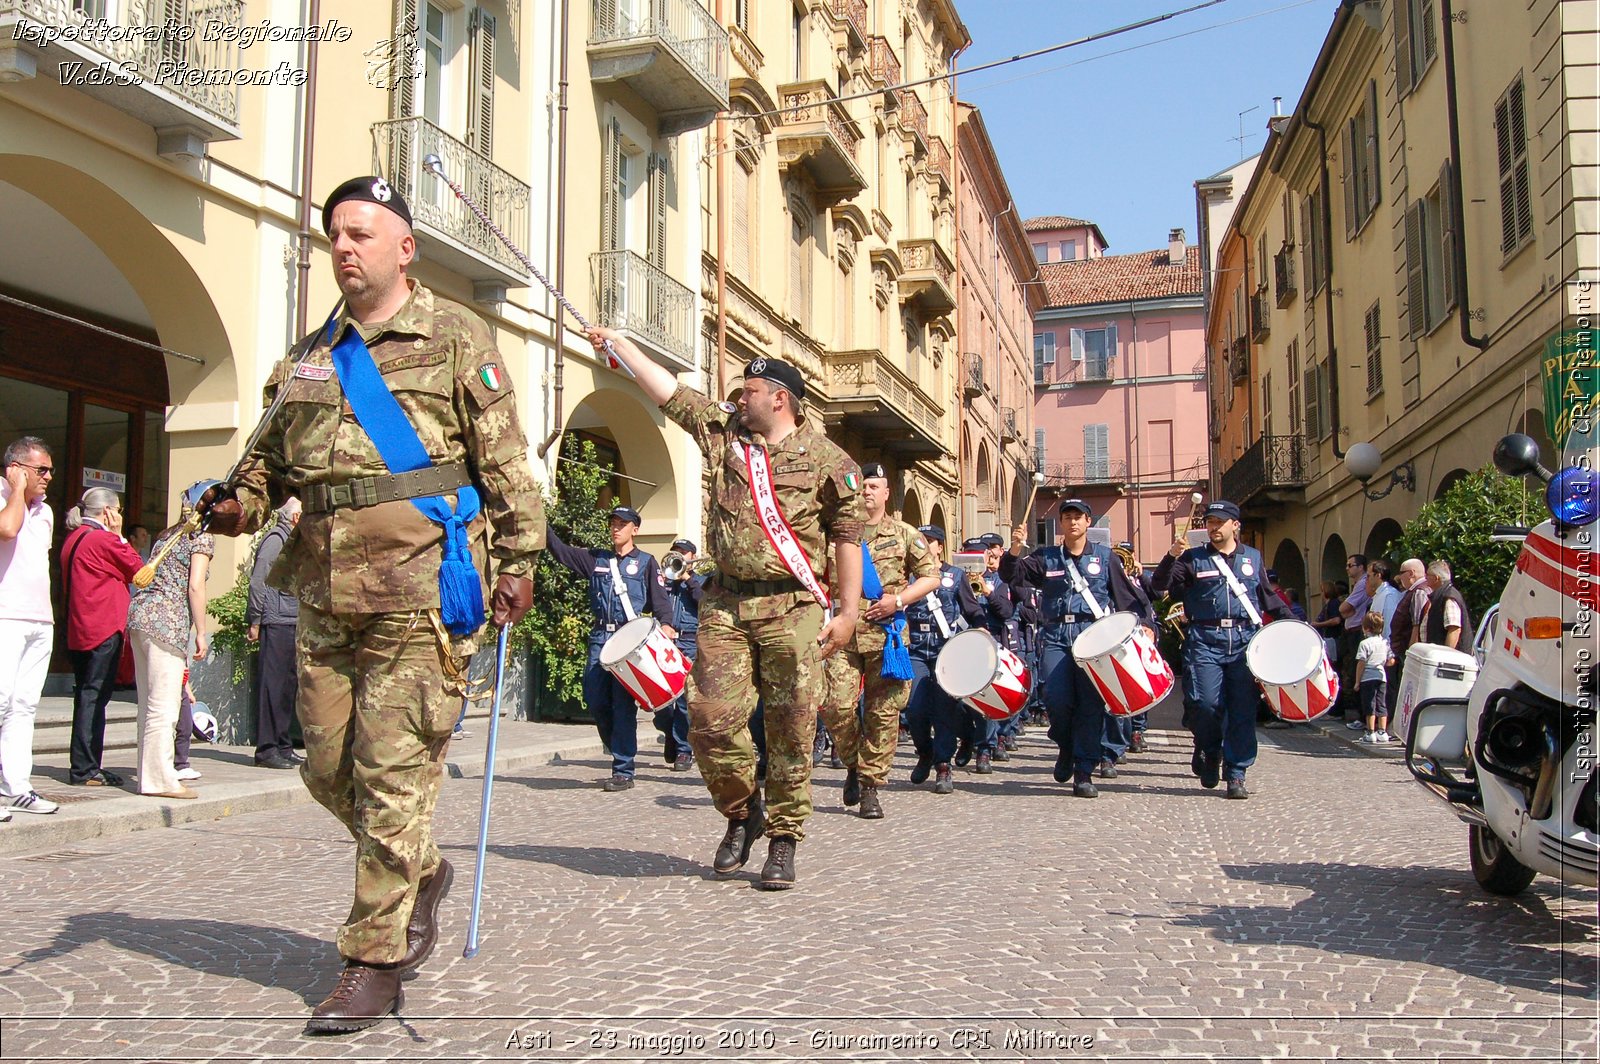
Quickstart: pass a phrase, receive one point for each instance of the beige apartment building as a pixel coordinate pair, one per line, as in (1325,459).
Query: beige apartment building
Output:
(998,294)
(1415,239)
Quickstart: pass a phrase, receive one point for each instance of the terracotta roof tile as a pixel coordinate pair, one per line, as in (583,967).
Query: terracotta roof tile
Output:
(1119,278)
(1053,221)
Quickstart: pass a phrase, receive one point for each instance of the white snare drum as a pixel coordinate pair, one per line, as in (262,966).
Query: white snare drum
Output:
(976,669)
(646,662)
(1121,658)
(1288,660)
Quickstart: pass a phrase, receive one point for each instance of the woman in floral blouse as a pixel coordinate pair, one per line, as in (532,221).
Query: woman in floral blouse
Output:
(161,619)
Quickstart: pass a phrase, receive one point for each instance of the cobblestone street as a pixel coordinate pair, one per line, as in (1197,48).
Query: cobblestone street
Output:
(1332,916)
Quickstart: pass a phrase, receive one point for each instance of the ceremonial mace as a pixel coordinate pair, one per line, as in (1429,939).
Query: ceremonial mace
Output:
(435,166)
(488,790)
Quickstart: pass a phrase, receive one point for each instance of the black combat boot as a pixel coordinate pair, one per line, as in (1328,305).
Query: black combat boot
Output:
(919,771)
(734,850)
(852,788)
(871,808)
(778,872)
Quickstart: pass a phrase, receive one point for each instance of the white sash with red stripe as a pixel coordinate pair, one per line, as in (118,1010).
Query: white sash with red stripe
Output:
(777,527)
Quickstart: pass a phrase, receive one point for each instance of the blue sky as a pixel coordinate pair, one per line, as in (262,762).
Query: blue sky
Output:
(1120,139)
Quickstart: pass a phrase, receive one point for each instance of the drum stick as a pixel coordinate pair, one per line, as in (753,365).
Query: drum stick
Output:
(488,790)
(1033,493)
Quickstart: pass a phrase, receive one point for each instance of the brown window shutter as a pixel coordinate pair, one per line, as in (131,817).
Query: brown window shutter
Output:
(1416,307)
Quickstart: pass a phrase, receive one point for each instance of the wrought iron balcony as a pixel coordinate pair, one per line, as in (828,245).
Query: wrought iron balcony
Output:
(884,67)
(1060,476)
(1008,424)
(164,64)
(871,395)
(643,302)
(1260,316)
(1273,469)
(671,52)
(929,276)
(447,232)
(1239,360)
(972,379)
(1283,271)
(939,163)
(914,119)
(816,133)
(854,15)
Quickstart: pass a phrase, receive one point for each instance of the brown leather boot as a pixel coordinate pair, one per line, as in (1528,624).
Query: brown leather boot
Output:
(364,996)
(422,934)
(871,807)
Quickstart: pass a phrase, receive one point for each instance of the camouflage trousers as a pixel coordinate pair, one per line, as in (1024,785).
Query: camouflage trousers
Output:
(762,647)
(377,712)
(865,741)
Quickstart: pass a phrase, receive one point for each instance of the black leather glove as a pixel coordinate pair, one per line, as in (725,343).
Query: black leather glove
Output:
(512,598)
(224,516)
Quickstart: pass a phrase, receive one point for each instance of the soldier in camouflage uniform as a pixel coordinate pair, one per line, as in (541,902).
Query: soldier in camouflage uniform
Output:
(760,629)
(908,572)
(380,678)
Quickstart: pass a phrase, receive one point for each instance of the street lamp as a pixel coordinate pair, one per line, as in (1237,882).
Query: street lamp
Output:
(1362,461)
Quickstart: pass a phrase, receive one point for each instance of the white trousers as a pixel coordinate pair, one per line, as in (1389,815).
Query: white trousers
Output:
(158,671)
(24,661)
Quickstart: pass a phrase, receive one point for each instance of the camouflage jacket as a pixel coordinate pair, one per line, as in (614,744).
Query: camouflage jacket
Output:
(818,488)
(900,555)
(439,360)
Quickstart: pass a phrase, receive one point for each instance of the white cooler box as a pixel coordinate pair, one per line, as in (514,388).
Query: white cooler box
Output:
(1443,677)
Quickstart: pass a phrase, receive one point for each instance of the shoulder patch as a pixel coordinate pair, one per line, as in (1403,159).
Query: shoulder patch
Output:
(852,480)
(308,372)
(489,373)
(727,407)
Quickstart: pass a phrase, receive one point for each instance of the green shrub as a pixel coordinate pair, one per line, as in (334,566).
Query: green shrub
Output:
(228,610)
(1456,527)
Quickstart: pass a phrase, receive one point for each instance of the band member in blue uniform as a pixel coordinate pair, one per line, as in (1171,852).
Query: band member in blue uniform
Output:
(1081,582)
(684,587)
(1139,723)
(998,614)
(933,718)
(1225,602)
(624,583)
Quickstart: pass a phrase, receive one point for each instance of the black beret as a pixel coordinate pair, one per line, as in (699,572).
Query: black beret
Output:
(931,532)
(776,371)
(627,513)
(1225,509)
(685,545)
(873,469)
(369,188)
(1078,505)
(991,539)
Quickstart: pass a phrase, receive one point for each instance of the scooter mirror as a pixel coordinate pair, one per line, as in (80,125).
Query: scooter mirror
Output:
(1517,455)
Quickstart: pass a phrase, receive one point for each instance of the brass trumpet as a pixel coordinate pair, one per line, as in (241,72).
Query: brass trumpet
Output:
(1177,621)
(676,566)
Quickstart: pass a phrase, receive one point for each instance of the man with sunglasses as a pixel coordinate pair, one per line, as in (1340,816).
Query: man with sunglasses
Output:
(27,623)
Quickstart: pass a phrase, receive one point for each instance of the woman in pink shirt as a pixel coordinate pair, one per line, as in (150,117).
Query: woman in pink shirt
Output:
(96,565)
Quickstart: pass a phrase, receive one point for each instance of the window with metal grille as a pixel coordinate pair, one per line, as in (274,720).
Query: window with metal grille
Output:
(1374,334)
(1511,143)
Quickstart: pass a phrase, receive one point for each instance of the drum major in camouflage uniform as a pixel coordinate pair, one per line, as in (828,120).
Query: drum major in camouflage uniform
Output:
(762,634)
(908,572)
(380,677)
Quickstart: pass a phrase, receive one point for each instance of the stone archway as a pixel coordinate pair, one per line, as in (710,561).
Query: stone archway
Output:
(911,508)
(1383,533)
(936,517)
(1450,480)
(1290,565)
(985,493)
(649,481)
(1333,558)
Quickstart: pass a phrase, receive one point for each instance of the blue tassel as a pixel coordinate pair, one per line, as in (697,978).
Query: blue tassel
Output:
(460,590)
(896,656)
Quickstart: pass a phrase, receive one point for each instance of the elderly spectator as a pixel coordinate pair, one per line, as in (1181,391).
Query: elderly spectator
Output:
(271,615)
(160,622)
(1405,626)
(27,624)
(96,565)
(1445,621)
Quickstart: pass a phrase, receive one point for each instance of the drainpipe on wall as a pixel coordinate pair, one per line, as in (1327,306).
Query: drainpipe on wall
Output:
(308,137)
(560,330)
(1327,283)
(1135,511)
(721,374)
(1458,213)
(961,356)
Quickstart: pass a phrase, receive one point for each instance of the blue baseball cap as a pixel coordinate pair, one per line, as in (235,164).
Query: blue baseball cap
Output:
(627,513)
(931,532)
(1224,509)
(1078,505)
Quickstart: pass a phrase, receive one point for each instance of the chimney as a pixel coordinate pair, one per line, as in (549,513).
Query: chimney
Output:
(1277,107)
(1176,252)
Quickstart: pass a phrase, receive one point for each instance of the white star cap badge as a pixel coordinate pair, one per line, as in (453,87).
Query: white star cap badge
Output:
(758,366)
(381,189)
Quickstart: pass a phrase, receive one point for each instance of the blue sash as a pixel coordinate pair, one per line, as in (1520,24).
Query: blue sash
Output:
(380,416)
(896,658)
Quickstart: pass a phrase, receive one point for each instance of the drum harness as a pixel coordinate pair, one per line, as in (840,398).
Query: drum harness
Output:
(1226,568)
(1081,586)
(621,590)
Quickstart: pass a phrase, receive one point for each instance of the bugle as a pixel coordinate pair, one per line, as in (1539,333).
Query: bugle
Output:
(676,566)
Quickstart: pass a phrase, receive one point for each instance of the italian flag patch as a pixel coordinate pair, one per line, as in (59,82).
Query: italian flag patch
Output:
(491,376)
(852,481)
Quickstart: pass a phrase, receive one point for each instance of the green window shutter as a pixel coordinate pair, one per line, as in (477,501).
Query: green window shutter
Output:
(610,202)
(656,248)
(480,105)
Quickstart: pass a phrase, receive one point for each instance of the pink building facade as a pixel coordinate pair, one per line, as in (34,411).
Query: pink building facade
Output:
(1119,392)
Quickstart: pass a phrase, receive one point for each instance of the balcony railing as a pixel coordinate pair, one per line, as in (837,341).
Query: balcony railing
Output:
(1008,424)
(1059,475)
(1283,271)
(939,162)
(884,66)
(1095,370)
(1239,360)
(174,67)
(815,131)
(643,301)
(451,234)
(972,379)
(929,275)
(865,384)
(854,14)
(672,52)
(1271,462)
(1260,316)
(914,119)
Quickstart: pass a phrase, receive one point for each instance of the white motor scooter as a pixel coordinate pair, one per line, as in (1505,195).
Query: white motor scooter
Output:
(1515,757)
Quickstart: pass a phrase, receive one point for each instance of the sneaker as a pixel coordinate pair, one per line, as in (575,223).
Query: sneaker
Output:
(942,782)
(1137,745)
(32,802)
(1385,737)
(188,774)
(683,761)
(1085,789)
(618,782)
(984,765)
(1356,725)
(1000,752)
(1368,739)
(1106,770)
(461,733)
(5,814)
(1237,790)
(1008,742)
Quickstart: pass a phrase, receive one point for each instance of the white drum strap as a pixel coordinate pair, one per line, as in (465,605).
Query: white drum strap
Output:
(1081,586)
(777,527)
(936,608)
(622,590)
(1238,590)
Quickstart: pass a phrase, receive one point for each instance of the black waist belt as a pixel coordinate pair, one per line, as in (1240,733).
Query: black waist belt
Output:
(758,587)
(370,491)
(1226,622)
(1070,618)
